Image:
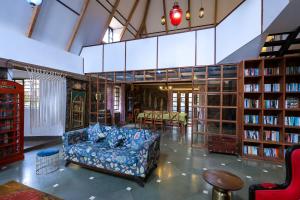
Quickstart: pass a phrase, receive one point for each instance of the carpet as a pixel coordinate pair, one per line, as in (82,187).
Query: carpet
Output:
(16,191)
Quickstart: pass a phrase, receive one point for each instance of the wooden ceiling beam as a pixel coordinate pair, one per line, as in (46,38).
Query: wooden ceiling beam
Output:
(111,15)
(166,17)
(34,16)
(77,25)
(216,13)
(129,18)
(143,24)
(189,9)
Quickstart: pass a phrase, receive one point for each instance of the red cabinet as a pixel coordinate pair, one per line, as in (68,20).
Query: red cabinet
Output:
(11,122)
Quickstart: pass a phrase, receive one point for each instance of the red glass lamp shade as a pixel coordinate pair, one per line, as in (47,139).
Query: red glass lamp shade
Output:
(176,14)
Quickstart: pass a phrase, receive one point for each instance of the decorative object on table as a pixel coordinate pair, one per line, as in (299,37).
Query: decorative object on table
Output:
(223,183)
(289,189)
(16,191)
(12,122)
(130,153)
(47,161)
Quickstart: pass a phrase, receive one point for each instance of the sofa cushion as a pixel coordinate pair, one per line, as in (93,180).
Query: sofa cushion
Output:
(95,133)
(114,137)
(88,148)
(119,155)
(136,137)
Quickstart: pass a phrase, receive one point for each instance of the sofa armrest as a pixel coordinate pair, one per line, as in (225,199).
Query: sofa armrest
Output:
(73,137)
(264,187)
(149,154)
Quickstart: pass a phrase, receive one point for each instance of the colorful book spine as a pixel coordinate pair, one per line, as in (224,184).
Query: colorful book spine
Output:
(250,150)
(251,103)
(293,87)
(271,104)
(293,70)
(271,71)
(271,152)
(271,135)
(251,119)
(292,102)
(251,134)
(292,121)
(273,87)
(251,72)
(251,87)
(293,138)
(270,120)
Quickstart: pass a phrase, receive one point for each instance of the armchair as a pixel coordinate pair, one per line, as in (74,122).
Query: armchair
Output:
(290,189)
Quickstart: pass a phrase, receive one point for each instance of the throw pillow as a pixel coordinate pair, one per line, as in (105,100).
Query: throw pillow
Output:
(137,140)
(95,133)
(114,137)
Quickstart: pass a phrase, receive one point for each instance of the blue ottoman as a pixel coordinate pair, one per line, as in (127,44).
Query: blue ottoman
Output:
(47,161)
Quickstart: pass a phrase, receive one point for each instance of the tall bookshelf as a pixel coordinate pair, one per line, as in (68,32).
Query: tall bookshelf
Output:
(267,122)
(215,108)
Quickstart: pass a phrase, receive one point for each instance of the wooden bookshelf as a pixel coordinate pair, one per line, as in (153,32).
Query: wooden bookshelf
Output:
(214,122)
(11,122)
(269,134)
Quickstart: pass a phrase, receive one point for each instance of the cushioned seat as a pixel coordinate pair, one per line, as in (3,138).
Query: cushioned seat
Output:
(47,152)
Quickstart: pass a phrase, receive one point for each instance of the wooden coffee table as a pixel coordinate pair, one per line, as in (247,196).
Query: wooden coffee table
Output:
(223,183)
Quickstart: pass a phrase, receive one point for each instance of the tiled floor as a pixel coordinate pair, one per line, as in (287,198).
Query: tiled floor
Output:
(178,176)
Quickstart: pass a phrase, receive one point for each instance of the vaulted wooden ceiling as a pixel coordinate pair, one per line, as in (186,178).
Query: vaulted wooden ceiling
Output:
(71,24)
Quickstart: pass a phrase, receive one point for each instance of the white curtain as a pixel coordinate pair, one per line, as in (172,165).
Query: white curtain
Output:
(47,103)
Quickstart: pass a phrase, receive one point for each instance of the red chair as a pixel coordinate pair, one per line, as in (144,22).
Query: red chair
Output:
(290,190)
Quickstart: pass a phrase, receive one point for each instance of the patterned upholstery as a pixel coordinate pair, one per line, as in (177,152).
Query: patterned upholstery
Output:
(128,151)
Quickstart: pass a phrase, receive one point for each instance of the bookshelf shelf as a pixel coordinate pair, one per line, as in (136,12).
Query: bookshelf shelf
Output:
(278,94)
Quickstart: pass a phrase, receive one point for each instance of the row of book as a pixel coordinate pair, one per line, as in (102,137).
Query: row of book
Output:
(251,134)
(293,138)
(272,87)
(292,102)
(272,135)
(292,70)
(251,119)
(292,121)
(251,103)
(271,120)
(271,71)
(272,104)
(250,150)
(271,152)
(293,87)
(251,72)
(251,87)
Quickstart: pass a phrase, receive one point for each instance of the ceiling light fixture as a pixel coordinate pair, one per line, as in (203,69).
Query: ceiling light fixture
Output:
(163,20)
(188,15)
(35,2)
(176,14)
(201,11)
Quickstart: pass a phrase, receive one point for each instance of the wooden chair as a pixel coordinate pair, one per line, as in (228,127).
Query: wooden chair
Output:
(158,119)
(136,112)
(148,118)
(174,119)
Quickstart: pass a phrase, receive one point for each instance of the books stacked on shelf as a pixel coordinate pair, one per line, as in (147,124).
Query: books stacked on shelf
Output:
(293,87)
(251,72)
(292,102)
(271,71)
(251,103)
(251,119)
(293,70)
(271,104)
(251,134)
(271,152)
(292,121)
(271,135)
(251,150)
(273,87)
(270,120)
(251,87)
(293,138)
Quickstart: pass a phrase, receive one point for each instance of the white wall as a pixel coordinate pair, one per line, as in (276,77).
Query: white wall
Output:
(272,10)
(92,58)
(206,46)
(17,46)
(141,54)
(243,25)
(177,50)
(114,57)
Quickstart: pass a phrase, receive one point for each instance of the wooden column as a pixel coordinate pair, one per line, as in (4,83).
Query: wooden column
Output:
(34,16)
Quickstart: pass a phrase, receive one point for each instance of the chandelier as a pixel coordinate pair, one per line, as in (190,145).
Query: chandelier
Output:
(176,14)
(165,87)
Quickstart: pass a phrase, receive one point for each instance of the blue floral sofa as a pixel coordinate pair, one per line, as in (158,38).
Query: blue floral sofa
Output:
(131,153)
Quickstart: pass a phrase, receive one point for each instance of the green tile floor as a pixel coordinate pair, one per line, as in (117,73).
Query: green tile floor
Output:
(178,176)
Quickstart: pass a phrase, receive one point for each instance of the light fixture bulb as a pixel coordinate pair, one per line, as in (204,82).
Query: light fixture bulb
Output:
(163,20)
(188,15)
(201,12)
(160,87)
(35,2)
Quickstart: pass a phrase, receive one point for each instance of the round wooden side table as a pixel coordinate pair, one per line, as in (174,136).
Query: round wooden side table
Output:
(223,183)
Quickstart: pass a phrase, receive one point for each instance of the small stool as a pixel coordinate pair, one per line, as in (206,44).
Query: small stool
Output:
(47,161)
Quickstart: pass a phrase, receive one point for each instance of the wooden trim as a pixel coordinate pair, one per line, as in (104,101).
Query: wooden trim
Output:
(34,16)
(77,25)
(143,24)
(216,12)
(165,15)
(189,9)
(129,18)
(111,15)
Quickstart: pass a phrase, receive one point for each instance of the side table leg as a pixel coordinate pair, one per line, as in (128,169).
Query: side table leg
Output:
(218,194)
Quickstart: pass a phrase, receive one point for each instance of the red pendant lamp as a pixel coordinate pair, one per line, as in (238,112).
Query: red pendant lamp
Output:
(176,14)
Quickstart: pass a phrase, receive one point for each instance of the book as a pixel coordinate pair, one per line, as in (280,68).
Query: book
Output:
(271,152)
(251,134)
(251,103)
(271,71)
(293,138)
(271,104)
(273,87)
(251,119)
(250,150)
(251,71)
(271,135)
(292,70)
(292,121)
(293,87)
(251,87)
(270,120)
(292,102)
